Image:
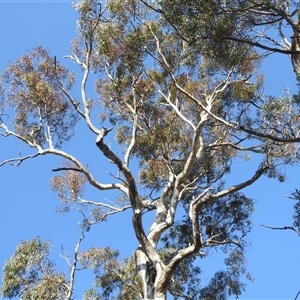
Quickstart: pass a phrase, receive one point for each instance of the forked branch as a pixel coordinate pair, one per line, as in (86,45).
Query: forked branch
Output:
(18,160)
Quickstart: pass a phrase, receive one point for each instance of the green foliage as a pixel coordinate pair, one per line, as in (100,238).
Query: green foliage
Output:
(227,282)
(207,25)
(117,279)
(186,279)
(29,274)
(296,215)
(90,14)
(226,223)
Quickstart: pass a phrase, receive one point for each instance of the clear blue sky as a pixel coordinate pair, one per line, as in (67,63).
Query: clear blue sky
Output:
(28,205)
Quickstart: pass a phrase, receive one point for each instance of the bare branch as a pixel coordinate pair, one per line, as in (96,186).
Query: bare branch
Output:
(75,58)
(238,187)
(83,91)
(69,96)
(65,256)
(212,242)
(197,146)
(11,133)
(66,169)
(113,208)
(132,142)
(167,98)
(85,171)
(200,200)
(249,42)
(282,228)
(74,264)
(86,67)
(159,226)
(254,149)
(269,136)
(18,160)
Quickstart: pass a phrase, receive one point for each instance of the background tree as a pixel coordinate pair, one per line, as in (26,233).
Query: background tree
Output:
(31,275)
(184,113)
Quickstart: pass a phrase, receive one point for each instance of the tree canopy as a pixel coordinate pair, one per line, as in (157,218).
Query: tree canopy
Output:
(178,85)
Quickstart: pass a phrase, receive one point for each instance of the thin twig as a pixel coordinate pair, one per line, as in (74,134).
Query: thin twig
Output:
(67,169)
(18,160)
(282,228)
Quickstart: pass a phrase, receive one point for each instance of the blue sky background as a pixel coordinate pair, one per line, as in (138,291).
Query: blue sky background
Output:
(28,205)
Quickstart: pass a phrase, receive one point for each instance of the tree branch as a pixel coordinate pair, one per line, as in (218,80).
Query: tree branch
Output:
(249,42)
(69,96)
(18,160)
(66,169)
(132,142)
(11,133)
(74,264)
(195,206)
(83,91)
(238,187)
(112,209)
(282,228)
(85,171)
(133,196)
(269,136)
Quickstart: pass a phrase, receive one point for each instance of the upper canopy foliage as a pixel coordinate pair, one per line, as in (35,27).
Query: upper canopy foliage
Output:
(32,90)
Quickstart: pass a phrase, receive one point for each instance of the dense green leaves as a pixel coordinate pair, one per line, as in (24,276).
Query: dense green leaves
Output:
(30,274)
(117,279)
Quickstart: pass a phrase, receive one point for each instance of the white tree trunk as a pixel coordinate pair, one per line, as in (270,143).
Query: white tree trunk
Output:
(159,296)
(152,276)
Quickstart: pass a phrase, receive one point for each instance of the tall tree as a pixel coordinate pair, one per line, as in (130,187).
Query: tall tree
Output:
(183,111)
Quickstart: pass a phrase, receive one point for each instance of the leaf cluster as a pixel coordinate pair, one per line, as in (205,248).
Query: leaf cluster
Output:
(221,222)
(224,224)
(227,283)
(30,274)
(117,279)
(212,27)
(69,185)
(42,112)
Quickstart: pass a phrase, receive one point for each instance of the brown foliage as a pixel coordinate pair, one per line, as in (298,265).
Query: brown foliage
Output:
(42,112)
(69,185)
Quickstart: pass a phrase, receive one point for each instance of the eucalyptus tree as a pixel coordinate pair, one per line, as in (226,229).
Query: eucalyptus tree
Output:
(183,113)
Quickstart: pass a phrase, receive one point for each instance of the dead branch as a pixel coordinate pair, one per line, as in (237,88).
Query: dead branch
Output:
(282,228)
